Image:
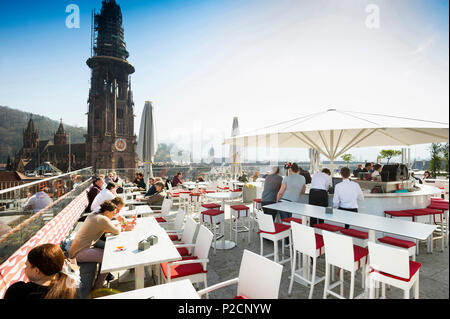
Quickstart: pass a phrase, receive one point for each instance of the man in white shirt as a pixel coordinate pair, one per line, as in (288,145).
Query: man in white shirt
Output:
(39,201)
(347,193)
(109,193)
(318,194)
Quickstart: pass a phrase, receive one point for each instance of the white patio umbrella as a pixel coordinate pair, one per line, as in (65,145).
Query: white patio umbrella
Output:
(146,145)
(334,132)
(235,151)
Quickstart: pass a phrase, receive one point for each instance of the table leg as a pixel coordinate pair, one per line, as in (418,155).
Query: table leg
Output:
(139,275)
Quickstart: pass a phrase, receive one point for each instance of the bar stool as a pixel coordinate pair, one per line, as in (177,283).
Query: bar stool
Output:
(443,206)
(431,216)
(305,241)
(329,226)
(340,252)
(399,241)
(214,217)
(238,212)
(392,266)
(360,235)
(195,200)
(184,200)
(274,232)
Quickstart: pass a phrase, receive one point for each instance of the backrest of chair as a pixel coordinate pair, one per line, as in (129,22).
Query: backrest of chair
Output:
(179,219)
(334,223)
(203,242)
(190,227)
(166,206)
(259,277)
(265,222)
(391,260)
(304,239)
(339,250)
(169,184)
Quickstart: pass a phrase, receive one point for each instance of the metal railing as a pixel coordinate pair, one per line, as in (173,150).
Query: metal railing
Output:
(27,208)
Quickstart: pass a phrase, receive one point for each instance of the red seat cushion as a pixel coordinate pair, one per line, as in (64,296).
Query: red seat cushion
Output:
(211,206)
(355,233)
(160,220)
(237,190)
(319,241)
(223,187)
(359,252)
(209,191)
(413,268)
(183,251)
(398,213)
(329,227)
(212,212)
(396,242)
(176,195)
(240,297)
(239,207)
(292,219)
(177,271)
(278,229)
(417,212)
(258,200)
(437,205)
(173,237)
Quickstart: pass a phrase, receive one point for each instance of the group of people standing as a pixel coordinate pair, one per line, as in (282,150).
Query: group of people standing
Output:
(292,187)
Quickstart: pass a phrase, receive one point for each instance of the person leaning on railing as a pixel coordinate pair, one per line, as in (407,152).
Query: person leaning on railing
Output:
(38,201)
(51,276)
(95,225)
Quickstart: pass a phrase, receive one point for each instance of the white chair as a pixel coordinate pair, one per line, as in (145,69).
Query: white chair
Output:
(340,252)
(389,265)
(177,223)
(184,200)
(163,215)
(259,278)
(398,241)
(193,267)
(274,232)
(305,241)
(187,236)
(360,235)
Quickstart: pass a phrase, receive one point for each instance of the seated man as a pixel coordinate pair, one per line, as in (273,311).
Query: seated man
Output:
(177,179)
(155,201)
(108,193)
(152,188)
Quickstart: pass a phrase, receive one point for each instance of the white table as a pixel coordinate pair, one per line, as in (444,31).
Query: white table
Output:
(372,223)
(139,210)
(224,196)
(131,257)
(182,289)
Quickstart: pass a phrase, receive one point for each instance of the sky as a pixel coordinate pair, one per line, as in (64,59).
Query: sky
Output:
(203,62)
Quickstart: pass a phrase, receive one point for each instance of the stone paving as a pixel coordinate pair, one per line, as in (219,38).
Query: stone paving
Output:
(433,284)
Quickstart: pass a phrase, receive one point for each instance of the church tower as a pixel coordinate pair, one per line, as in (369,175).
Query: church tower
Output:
(110,139)
(30,138)
(61,137)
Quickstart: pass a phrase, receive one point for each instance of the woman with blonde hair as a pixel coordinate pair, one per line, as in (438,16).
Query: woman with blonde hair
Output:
(51,276)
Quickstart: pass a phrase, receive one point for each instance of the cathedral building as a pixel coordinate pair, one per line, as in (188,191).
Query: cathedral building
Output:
(110,139)
(35,152)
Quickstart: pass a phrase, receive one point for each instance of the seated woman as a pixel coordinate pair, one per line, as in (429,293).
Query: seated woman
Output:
(51,276)
(95,225)
(200,179)
(255,176)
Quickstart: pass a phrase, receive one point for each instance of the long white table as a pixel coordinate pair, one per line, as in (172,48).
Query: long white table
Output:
(182,289)
(131,257)
(139,210)
(370,222)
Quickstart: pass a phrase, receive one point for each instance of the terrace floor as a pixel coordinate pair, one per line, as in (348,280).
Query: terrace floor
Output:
(433,284)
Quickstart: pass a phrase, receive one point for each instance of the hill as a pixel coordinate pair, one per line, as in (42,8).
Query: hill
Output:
(13,122)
